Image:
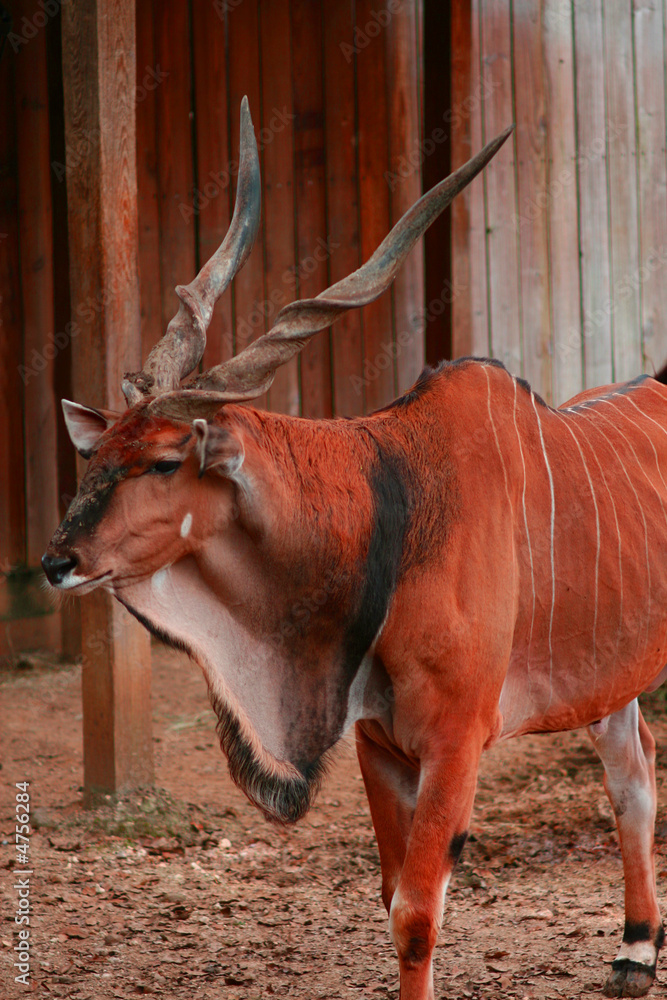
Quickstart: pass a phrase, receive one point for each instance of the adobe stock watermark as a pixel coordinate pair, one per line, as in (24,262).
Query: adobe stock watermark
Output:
(411,161)
(84,312)
(89,140)
(390,350)
(22,884)
(594,319)
(31,26)
(219,182)
(364,34)
(585,157)
(248,326)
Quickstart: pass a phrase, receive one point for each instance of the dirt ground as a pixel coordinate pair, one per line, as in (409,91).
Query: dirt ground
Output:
(188,892)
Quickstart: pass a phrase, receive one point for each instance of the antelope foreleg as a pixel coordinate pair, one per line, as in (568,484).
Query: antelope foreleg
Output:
(391,787)
(438,833)
(626,747)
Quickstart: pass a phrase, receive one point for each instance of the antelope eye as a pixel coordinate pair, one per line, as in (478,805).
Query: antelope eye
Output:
(166,466)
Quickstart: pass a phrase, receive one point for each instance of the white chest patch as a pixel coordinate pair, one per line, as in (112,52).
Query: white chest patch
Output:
(186,525)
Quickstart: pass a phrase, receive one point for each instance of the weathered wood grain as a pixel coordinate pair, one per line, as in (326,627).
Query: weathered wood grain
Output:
(463,73)
(502,246)
(150,277)
(593,195)
(561,195)
(532,226)
(480,330)
(342,201)
(374,197)
(622,173)
(99,69)
(277,142)
(175,175)
(36,276)
(12,493)
(649,37)
(402,32)
(311,217)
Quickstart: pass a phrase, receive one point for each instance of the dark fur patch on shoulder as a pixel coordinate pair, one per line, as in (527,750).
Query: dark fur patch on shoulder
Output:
(391,514)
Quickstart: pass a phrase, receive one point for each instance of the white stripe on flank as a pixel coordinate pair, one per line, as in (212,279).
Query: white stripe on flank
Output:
(495,436)
(596,414)
(530,550)
(618,530)
(553,568)
(597,551)
(646,417)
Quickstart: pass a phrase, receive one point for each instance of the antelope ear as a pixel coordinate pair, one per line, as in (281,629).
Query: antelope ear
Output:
(217,449)
(86,426)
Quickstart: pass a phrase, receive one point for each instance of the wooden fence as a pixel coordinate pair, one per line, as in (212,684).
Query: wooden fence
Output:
(561,250)
(334,95)
(334,92)
(558,253)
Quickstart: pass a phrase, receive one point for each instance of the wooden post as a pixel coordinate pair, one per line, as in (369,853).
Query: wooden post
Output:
(99,71)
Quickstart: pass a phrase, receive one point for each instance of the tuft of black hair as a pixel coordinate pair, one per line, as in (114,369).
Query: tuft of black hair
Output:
(285,800)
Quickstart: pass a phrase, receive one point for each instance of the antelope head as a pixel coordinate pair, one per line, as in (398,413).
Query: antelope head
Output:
(177,496)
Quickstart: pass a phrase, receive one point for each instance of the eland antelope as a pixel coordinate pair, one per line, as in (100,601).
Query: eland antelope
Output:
(490,566)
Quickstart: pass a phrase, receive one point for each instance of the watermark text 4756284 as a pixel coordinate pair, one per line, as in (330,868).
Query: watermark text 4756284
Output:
(22,875)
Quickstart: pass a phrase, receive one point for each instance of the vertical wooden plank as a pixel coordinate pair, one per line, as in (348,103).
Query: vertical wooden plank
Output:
(12,376)
(307,85)
(649,35)
(70,614)
(174,153)
(436,146)
(593,203)
(374,197)
(480,330)
(622,170)
(403,100)
(462,73)
(244,78)
(342,200)
(99,67)
(277,142)
(531,144)
(558,26)
(502,238)
(211,203)
(36,253)
(150,284)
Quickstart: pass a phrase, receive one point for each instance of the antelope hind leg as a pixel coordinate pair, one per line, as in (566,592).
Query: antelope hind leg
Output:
(626,747)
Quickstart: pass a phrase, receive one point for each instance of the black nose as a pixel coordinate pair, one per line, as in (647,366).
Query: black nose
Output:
(57,567)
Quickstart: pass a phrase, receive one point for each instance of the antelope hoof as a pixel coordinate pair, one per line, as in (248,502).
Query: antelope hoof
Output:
(629,979)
